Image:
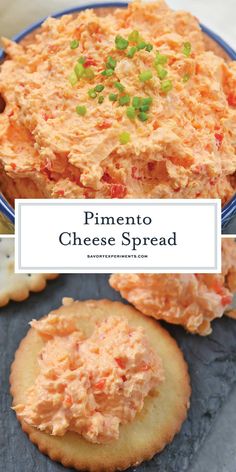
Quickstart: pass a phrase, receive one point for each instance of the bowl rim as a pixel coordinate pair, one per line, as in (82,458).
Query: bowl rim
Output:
(29,29)
(229,210)
(6,209)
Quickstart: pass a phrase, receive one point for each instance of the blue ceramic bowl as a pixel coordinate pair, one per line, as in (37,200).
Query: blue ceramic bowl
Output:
(229,211)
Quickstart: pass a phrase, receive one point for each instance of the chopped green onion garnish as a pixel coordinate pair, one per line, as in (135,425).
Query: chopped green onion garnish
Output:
(119,86)
(81,110)
(136,102)
(130,112)
(134,37)
(141,45)
(143,116)
(186,77)
(121,43)
(166,86)
(187,48)
(149,47)
(79,70)
(101,99)
(145,75)
(88,73)
(131,52)
(108,72)
(162,73)
(82,60)
(146,101)
(99,88)
(92,93)
(73,78)
(74,44)
(124,137)
(111,63)
(113,97)
(160,59)
(144,107)
(124,100)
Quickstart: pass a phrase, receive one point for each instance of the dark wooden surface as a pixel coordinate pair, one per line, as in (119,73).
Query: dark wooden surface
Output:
(212,363)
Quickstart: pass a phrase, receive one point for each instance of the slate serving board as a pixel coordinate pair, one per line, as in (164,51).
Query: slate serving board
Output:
(212,364)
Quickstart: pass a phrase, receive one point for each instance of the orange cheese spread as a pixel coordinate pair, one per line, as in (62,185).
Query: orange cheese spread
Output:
(187,299)
(191,300)
(90,385)
(128,104)
(229,263)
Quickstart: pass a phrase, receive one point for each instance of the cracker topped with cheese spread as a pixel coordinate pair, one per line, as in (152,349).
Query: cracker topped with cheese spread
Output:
(98,386)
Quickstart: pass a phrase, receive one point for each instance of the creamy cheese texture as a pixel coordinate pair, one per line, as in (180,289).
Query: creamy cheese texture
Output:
(191,300)
(91,385)
(183,146)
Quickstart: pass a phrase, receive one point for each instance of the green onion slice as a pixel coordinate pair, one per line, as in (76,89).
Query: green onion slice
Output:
(124,100)
(161,72)
(145,75)
(166,86)
(74,44)
(124,137)
(187,48)
(134,37)
(130,112)
(160,59)
(113,97)
(111,63)
(121,43)
(99,88)
(119,86)
(131,52)
(81,110)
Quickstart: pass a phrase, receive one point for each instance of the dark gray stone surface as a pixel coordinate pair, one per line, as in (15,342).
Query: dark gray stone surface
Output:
(231,227)
(212,363)
(218,453)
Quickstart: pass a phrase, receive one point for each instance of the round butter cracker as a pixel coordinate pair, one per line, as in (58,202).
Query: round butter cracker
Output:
(17,286)
(152,429)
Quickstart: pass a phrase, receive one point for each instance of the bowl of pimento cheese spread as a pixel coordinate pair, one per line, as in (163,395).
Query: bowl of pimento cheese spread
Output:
(132,102)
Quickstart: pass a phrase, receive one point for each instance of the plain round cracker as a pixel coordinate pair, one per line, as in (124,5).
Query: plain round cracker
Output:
(153,428)
(14,286)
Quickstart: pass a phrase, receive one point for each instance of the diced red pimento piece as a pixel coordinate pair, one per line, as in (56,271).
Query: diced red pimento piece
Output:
(103,125)
(68,400)
(107,178)
(226,300)
(60,193)
(53,48)
(232,99)
(213,181)
(134,173)
(13,165)
(120,362)
(47,116)
(198,169)
(151,166)
(100,384)
(89,62)
(118,191)
(219,138)
(144,367)
(218,288)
